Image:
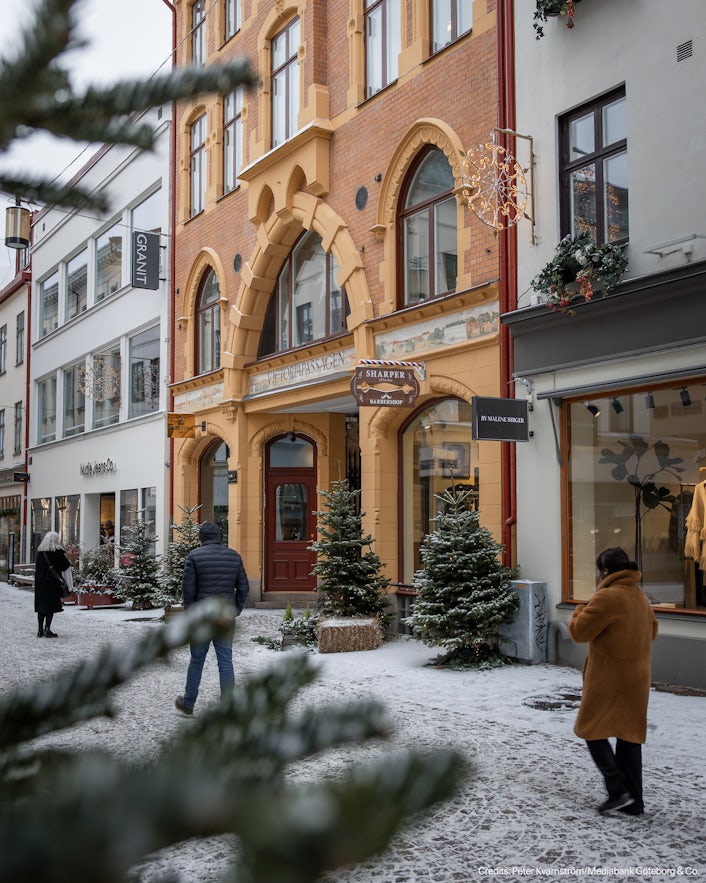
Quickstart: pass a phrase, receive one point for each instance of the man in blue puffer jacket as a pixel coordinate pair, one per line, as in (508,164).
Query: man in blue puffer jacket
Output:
(212,569)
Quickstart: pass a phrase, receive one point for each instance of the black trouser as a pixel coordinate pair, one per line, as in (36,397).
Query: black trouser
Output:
(622,768)
(44,621)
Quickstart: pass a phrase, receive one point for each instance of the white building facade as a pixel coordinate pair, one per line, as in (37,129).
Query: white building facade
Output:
(99,456)
(618,389)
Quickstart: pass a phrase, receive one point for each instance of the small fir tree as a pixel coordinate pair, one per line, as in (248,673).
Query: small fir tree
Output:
(185,538)
(351,583)
(463,592)
(139,576)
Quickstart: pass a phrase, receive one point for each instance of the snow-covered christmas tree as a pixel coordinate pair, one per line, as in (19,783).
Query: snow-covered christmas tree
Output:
(351,583)
(463,592)
(139,566)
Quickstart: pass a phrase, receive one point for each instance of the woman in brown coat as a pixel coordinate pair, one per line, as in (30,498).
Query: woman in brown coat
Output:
(619,626)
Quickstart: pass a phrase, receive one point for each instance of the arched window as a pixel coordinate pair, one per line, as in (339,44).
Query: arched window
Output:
(208,325)
(307,303)
(428,230)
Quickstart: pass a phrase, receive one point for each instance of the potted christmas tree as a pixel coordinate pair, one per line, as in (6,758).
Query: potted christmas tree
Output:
(463,590)
(351,586)
(185,538)
(98,578)
(139,567)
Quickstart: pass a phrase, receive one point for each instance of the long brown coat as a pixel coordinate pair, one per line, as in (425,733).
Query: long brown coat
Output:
(619,626)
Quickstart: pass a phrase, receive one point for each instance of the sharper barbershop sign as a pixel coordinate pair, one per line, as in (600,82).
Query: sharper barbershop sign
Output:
(500,419)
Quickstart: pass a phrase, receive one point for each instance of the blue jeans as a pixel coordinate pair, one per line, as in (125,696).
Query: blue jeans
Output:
(224,655)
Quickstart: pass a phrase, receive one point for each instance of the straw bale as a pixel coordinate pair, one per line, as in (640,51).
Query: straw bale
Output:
(344,635)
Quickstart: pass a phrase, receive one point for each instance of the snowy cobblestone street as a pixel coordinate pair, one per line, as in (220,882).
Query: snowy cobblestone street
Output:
(529,809)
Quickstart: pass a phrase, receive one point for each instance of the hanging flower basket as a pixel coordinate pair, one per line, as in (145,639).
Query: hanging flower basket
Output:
(545,9)
(579,268)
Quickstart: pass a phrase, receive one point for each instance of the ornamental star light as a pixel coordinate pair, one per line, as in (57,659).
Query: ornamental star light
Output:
(494,185)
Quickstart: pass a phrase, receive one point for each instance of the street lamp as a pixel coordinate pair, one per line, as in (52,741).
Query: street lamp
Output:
(17,225)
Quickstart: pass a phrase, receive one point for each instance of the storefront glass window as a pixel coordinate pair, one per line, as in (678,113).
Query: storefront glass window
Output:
(634,461)
(67,512)
(41,523)
(437,452)
(128,512)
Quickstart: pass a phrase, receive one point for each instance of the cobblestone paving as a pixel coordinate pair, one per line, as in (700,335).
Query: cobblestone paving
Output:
(529,809)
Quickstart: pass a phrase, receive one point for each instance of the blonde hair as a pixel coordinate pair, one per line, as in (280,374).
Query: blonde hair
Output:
(50,543)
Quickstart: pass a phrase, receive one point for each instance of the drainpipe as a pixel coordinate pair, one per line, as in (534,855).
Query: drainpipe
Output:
(508,265)
(171,312)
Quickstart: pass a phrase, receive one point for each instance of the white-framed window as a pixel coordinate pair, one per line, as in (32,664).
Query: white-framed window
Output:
(20,339)
(74,400)
(450,19)
(285,83)
(46,410)
(109,261)
(232,138)
(106,388)
(197,165)
(208,324)
(49,304)
(383,42)
(2,433)
(198,32)
(144,372)
(19,408)
(3,349)
(77,284)
(232,18)
(146,216)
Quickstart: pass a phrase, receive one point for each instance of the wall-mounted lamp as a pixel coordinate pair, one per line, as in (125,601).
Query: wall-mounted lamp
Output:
(593,409)
(617,407)
(17,226)
(650,402)
(685,397)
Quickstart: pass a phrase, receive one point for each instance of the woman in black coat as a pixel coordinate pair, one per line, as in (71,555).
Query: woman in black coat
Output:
(48,588)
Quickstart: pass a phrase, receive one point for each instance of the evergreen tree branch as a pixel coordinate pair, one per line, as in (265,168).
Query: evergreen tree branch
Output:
(53,193)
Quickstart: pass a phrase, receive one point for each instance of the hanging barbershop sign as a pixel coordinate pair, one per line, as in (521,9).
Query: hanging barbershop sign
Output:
(500,419)
(385,384)
(181,425)
(145,260)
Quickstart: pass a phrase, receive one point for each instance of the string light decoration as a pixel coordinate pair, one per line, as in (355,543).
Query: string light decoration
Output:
(100,381)
(494,185)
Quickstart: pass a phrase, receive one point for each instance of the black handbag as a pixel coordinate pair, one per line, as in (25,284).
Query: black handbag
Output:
(62,587)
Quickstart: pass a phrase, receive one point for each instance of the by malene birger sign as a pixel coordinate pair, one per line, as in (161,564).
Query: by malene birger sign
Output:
(500,419)
(98,467)
(145,260)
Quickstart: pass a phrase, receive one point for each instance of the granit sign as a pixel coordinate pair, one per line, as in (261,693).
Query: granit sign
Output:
(385,386)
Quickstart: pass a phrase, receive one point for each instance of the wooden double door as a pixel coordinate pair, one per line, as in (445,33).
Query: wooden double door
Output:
(290,515)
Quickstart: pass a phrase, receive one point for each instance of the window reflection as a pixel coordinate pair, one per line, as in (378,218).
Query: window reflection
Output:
(291,512)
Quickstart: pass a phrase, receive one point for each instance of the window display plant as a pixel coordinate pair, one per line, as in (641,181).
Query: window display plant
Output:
(546,8)
(98,573)
(581,263)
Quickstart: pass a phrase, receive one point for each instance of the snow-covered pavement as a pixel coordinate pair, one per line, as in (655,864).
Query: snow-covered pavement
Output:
(529,810)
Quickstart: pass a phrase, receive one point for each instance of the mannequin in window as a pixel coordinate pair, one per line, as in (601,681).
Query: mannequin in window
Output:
(695,543)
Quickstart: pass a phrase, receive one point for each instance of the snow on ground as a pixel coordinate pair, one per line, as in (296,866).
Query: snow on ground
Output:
(528,811)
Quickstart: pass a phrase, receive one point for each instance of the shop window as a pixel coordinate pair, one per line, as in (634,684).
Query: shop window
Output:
(208,324)
(450,20)
(285,83)
(232,18)
(428,227)
(214,487)
(437,453)
(198,32)
(232,139)
(20,339)
(308,304)
(197,165)
(74,400)
(41,523)
(77,285)
(383,31)
(105,383)
(144,377)
(594,170)
(109,261)
(634,460)
(67,514)
(49,304)
(46,410)
(128,512)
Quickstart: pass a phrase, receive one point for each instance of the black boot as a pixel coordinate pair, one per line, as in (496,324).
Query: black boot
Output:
(40,633)
(48,633)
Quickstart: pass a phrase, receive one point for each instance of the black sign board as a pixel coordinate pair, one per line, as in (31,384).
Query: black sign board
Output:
(500,419)
(145,260)
(20,476)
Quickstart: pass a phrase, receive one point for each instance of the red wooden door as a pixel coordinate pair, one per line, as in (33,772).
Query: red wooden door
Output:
(290,505)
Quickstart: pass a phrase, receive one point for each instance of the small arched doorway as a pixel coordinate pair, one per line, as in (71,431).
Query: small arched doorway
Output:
(213,484)
(290,519)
